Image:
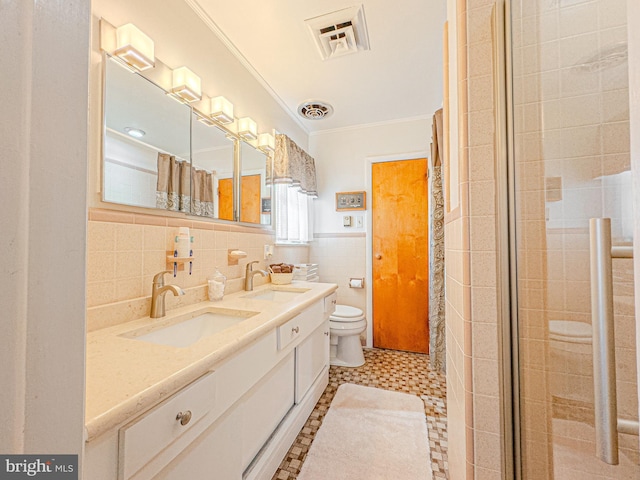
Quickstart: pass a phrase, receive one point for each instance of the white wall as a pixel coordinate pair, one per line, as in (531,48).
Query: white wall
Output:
(342,162)
(44,60)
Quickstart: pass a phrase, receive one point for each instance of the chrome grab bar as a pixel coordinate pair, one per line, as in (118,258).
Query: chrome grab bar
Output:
(607,422)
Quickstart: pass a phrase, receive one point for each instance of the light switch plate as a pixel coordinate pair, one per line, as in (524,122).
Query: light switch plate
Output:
(359,221)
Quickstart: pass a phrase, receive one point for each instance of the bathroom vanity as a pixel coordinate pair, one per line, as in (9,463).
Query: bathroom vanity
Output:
(226,404)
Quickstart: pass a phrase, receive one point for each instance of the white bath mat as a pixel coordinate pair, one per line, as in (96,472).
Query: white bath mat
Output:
(370,434)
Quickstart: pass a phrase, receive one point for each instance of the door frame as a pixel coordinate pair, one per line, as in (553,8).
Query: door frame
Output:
(369,161)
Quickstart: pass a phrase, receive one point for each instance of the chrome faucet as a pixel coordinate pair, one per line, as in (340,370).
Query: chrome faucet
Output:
(250,273)
(157,294)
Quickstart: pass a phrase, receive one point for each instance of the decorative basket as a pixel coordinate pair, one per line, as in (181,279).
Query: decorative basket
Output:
(280,278)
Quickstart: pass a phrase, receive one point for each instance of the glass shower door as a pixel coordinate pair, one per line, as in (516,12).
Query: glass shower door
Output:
(571,163)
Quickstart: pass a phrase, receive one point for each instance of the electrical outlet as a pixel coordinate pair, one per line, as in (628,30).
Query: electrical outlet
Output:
(359,221)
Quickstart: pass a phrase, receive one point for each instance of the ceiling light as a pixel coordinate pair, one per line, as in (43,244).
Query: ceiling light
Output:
(247,128)
(186,85)
(135,132)
(134,47)
(221,110)
(266,142)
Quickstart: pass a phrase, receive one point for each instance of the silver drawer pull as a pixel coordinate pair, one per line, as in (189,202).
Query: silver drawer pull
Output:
(295,330)
(184,417)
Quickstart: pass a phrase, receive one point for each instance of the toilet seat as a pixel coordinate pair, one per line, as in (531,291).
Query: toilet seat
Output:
(345,313)
(570,331)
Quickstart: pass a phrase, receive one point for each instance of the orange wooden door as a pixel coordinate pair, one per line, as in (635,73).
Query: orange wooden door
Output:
(250,198)
(400,255)
(225,198)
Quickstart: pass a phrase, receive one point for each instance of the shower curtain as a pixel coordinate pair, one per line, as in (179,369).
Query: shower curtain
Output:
(436,252)
(183,188)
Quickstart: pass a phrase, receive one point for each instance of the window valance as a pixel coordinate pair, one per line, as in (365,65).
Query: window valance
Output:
(292,165)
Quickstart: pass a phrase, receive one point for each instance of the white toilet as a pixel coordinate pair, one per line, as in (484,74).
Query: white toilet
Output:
(346,324)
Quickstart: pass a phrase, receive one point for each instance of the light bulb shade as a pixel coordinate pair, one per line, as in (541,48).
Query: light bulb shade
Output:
(266,142)
(221,110)
(134,47)
(247,128)
(186,85)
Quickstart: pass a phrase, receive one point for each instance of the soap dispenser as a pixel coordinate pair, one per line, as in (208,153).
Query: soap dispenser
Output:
(217,283)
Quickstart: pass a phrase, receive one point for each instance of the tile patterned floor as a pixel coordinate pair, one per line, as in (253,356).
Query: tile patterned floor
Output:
(389,370)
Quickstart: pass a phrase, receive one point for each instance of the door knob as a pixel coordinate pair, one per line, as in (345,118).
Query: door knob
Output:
(378,256)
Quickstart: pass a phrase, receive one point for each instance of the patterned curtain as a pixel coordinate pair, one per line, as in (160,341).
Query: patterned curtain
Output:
(292,165)
(202,193)
(436,252)
(174,184)
(183,188)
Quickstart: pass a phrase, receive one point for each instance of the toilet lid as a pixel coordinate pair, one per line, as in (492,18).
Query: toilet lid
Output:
(568,328)
(345,313)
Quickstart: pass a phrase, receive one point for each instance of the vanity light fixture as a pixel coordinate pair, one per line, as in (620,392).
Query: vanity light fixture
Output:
(186,85)
(135,132)
(204,119)
(134,47)
(247,128)
(266,142)
(221,110)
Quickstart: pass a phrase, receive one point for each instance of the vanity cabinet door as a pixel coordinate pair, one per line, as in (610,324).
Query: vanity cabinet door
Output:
(312,356)
(265,406)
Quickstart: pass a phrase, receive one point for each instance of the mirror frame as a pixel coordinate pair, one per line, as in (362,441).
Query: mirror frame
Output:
(233,136)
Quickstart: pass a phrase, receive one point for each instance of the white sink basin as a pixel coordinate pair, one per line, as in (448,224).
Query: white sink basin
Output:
(279,295)
(188,329)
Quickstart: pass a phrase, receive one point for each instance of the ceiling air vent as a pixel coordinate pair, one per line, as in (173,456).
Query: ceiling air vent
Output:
(339,33)
(315,110)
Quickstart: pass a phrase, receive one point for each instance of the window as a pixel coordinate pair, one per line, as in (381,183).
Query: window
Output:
(293,214)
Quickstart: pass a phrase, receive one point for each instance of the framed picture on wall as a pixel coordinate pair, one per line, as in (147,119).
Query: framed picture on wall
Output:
(351,201)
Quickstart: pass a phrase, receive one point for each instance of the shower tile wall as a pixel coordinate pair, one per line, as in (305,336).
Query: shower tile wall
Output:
(572,149)
(126,250)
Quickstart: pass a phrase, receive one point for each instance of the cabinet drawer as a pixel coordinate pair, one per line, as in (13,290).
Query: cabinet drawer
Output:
(330,302)
(300,326)
(145,437)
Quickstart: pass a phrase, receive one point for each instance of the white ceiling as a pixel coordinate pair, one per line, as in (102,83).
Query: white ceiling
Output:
(400,77)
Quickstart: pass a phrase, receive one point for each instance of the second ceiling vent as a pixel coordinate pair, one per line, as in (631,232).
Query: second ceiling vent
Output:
(339,33)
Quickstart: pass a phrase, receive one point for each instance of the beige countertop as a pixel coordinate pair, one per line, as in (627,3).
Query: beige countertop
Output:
(125,376)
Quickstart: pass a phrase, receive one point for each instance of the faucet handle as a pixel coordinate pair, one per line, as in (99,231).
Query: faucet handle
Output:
(159,277)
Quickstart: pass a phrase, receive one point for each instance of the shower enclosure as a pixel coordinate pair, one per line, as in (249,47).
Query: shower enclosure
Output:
(570,163)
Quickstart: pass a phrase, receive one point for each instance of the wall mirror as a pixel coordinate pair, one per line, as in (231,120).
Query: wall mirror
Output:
(158,154)
(255,193)
(141,122)
(212,158)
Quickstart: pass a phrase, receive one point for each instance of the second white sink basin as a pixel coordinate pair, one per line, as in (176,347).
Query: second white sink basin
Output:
(279,295)
(183,332)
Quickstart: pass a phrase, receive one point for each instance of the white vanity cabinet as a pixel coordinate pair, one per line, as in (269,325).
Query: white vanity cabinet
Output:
(236,421)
